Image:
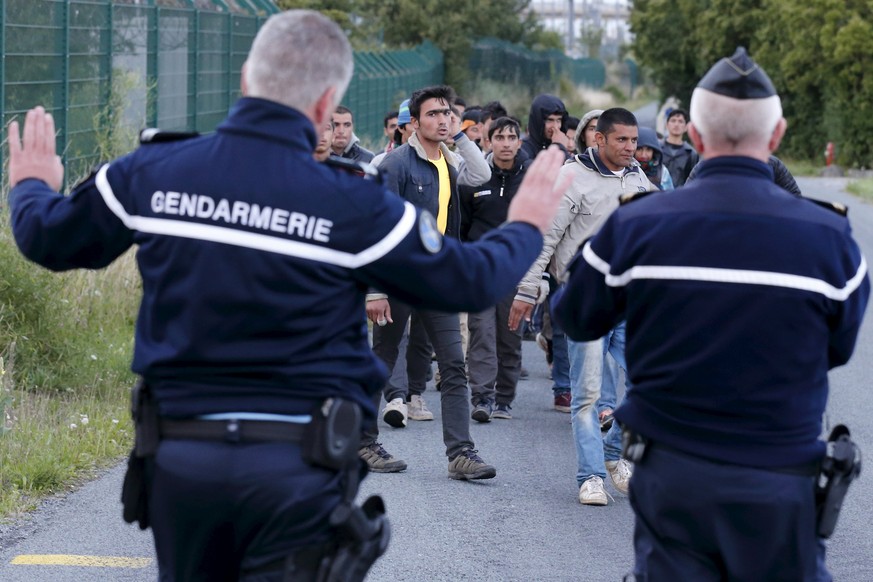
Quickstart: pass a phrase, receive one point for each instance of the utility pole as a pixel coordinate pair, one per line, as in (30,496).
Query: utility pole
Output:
(571,29)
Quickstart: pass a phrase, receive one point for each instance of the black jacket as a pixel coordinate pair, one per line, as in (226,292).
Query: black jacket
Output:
(781,176)
(679,161)
(535,141)
(484,208)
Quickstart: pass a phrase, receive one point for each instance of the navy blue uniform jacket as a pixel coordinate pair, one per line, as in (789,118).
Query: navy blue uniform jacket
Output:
(739,298)
(255,260)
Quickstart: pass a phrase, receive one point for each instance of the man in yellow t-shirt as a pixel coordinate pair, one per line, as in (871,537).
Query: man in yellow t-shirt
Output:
(426,173)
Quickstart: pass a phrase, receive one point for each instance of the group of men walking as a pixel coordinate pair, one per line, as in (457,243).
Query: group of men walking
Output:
(609,162)
(731,296)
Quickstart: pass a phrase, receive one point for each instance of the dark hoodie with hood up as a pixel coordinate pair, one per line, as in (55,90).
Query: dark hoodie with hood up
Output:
(653,168)
(535,141)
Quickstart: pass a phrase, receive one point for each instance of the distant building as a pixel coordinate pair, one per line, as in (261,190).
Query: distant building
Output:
(589,18)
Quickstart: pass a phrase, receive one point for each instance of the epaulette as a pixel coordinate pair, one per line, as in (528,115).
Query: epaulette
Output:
(631,196)
(365,170)
(155,135)
(840,209)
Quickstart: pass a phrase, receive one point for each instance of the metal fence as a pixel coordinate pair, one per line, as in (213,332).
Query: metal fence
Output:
(383,79)
(507,62)
(106,68)
(102,68)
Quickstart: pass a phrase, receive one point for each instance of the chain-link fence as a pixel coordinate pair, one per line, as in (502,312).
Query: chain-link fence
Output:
(506,62)
(106,68)
(383,79)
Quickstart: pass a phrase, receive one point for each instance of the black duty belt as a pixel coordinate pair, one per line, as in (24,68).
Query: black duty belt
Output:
(232,430)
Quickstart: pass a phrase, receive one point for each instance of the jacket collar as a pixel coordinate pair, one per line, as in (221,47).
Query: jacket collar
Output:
(517,165)
(414,143)
(262,117)
(590,159)
(735,165)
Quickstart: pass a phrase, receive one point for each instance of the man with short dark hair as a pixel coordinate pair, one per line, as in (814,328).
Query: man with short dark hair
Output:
(678,155)
(325,138)
(494,350)
(600,176)
(426,173)
(390,125)
(571,128)
(345,143)
(739,298)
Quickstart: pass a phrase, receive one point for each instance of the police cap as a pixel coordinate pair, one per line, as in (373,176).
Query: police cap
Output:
(738,77)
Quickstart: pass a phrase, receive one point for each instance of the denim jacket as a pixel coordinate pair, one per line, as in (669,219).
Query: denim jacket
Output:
(409,174)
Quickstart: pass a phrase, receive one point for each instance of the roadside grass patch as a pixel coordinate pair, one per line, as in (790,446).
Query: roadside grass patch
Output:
(862,188)
(65,348)
(805,168)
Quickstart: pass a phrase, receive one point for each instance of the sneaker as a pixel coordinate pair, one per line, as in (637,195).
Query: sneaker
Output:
(605,420)
(592,492)
(395,413)
(482,411)
(523,374)
(468,465)
(562,402)
(417,408)
(543,343)
(620,472)
(502,411)
(379,460)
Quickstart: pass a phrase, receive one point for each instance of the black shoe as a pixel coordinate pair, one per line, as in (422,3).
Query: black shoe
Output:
(482,411)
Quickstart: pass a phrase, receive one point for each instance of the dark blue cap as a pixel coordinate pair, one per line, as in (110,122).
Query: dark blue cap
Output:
(738,77)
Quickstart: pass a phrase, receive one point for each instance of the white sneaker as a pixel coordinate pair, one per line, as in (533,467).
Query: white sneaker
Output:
(418,408)
(620,472)
(592,492)
(395,413)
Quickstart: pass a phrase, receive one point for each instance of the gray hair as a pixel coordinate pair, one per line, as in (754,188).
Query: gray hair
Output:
(296,56)
(726,122)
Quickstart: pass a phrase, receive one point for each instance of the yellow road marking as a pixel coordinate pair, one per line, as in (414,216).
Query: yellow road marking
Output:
(87,561)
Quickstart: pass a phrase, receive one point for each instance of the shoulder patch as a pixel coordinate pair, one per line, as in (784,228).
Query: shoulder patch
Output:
(631,196)
(840,209)
(430,236)
(155,135)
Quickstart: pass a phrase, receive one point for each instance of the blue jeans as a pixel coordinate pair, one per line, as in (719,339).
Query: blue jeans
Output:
(609,389)
(586,375)
(560,360)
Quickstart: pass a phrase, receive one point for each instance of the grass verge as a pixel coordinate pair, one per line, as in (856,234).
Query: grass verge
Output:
(862,188)
(805,168)
(65,349)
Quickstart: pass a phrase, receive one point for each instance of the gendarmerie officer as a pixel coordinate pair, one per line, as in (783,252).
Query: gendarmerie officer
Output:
(739,298)
(251,337)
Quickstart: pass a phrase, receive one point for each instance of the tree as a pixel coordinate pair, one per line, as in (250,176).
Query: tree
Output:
(819,54)
(452,25)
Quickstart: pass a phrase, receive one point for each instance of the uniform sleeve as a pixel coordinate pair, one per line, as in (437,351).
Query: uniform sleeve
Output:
(845,321)
(66,232)
(587,307)
(422,268)
(474,169)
